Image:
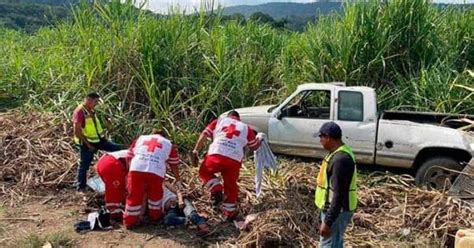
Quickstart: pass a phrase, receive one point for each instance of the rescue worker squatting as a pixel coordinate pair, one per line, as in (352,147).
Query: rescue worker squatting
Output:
(149,155)
(229,138)
(112,169)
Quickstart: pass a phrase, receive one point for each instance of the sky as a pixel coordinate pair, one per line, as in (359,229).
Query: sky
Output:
(162,6)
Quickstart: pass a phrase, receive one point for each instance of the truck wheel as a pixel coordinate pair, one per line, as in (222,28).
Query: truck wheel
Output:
(432,172)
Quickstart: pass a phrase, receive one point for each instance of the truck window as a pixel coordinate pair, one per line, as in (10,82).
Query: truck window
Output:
(351,106)
(312,104)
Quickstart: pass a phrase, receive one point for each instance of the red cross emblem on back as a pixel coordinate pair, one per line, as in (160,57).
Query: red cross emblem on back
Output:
(231,131)
(152,144)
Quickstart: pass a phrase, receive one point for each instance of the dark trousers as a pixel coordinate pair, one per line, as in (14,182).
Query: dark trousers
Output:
(87,156)
(175,217)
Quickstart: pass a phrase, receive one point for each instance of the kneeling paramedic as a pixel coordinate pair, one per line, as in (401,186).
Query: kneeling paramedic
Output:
(112,169)
(150,155)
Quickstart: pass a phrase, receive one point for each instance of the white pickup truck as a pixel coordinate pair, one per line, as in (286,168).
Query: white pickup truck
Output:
(426,142)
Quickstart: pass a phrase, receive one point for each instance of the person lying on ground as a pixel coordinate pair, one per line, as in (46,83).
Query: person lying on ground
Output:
(179,211)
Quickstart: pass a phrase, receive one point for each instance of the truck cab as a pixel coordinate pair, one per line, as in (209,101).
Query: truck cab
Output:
(293,123)
(429,143)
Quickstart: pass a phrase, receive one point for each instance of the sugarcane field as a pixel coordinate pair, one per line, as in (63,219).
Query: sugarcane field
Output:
(236,123)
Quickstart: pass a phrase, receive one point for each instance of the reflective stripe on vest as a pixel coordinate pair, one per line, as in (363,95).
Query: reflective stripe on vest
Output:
(92,129)
(324,193)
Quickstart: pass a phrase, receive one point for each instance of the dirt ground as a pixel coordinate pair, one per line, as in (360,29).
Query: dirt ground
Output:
(39,207)
(48,218)
(51,218)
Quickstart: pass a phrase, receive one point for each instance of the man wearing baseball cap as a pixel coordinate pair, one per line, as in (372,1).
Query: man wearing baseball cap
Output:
(89,137)
(336,190)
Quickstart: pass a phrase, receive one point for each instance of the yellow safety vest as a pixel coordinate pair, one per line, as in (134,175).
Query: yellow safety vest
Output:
(92,129)
(323,190)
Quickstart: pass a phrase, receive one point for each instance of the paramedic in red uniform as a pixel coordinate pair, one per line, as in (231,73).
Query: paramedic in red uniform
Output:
(112,169)
(149,156)
(229,138)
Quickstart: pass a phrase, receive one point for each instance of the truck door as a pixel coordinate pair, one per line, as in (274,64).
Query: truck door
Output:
(355,113)
(292,127)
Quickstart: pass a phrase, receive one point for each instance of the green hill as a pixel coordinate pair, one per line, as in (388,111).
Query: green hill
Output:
(31,16)
(281,10)
(48,2)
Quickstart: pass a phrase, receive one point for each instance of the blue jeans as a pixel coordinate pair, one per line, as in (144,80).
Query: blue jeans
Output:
(176,217)
(338,227)
(86,159)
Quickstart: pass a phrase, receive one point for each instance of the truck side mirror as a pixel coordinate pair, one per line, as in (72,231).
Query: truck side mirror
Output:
(279,115)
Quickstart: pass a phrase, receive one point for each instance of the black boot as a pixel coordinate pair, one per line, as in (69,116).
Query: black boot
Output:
(217,198)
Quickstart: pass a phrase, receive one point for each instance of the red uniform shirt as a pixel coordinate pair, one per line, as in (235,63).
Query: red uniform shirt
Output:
(251,138)
(78,116)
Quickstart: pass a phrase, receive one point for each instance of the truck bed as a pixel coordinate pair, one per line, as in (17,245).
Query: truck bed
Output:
(439,119)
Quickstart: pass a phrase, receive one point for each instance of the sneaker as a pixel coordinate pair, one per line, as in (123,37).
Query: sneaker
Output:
(81,191)
(85,189)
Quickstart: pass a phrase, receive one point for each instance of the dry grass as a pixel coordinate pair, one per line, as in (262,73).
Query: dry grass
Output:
(37,154)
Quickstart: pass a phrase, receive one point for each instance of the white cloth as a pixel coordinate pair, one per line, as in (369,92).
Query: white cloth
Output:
(96,184)
(167,196)
(150,154)
(263,158)
(93,219)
